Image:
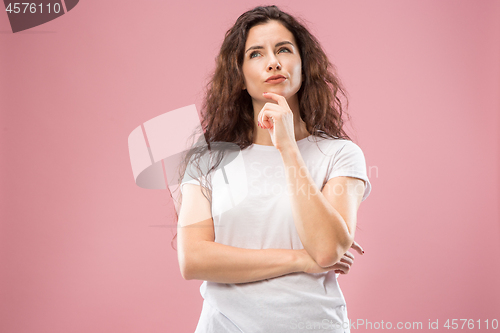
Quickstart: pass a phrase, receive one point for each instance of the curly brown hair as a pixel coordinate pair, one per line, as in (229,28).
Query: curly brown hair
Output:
(227,112)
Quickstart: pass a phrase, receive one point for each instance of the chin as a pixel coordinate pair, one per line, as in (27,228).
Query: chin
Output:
(286,93)
(276,90)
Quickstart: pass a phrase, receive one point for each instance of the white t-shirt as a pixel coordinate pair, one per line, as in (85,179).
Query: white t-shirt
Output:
(251,209)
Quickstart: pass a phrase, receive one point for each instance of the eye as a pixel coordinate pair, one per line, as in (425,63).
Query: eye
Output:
(257,53)
(253,53)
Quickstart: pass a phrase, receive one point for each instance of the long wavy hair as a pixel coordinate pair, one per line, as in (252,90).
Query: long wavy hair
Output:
(227,110)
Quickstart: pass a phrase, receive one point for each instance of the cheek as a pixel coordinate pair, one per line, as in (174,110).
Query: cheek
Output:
(249,76)
(298,67)
(297,72)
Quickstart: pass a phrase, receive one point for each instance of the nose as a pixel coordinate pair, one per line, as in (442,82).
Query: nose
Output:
(274,64)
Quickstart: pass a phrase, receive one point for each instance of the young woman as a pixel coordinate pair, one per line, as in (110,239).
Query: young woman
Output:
(268,235)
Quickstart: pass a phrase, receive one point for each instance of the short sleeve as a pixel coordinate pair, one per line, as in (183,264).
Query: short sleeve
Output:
(193,175)
(349,161)
(189,180)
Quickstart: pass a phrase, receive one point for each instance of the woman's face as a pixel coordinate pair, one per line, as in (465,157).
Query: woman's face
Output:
(271,50)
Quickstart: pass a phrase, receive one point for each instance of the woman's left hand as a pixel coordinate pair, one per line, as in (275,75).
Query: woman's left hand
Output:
(278,119)
(344,265)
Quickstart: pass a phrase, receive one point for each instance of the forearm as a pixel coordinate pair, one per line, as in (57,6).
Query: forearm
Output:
(322,230)
(222,263)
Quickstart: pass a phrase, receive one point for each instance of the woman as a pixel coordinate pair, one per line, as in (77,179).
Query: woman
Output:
(269,240)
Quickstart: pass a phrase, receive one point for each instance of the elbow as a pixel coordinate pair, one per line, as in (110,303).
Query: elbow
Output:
(186,266)
(192,262)
(328,260)
(333,255)
(185,272)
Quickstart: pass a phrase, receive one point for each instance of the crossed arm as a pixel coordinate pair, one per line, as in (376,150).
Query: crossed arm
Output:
(325,222)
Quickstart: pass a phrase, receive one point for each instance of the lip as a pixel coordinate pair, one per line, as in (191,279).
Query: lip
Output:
(276,79)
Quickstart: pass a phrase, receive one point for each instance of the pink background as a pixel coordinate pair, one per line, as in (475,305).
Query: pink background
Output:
(84,249)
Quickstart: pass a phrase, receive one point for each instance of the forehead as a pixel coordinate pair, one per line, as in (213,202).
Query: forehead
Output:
(269,32)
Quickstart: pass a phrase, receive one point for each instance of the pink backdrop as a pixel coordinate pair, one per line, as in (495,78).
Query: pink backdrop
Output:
(84,249)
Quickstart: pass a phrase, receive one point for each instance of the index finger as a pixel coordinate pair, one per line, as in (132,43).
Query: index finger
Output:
(357,247)
(278,98)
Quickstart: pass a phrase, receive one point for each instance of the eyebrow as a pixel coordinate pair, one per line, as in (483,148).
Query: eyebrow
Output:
(257,47)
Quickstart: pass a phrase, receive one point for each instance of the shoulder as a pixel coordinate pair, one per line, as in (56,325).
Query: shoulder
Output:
(335,146)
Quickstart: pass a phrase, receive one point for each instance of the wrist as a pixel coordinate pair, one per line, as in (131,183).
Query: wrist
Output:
(289,149)
(290,153)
